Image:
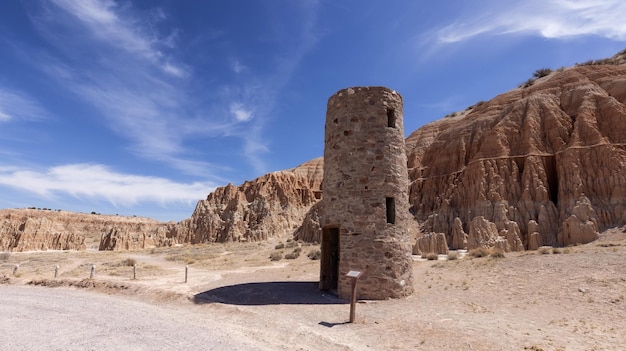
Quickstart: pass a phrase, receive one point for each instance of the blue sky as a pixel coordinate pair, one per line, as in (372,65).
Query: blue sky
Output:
(144,107)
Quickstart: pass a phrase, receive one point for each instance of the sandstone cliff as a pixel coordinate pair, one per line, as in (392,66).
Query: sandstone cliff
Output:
(30,229)
(541,165)
(272,205)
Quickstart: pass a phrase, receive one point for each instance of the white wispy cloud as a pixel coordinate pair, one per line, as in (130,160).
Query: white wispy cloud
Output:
(238,67)
(241,113)
(98,182)
(546,18)
(152,104)
(16,105)
(105,21)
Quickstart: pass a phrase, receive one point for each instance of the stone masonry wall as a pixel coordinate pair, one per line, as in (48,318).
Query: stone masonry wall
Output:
(365,182)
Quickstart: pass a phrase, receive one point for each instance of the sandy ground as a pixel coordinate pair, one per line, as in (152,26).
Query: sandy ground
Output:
(567,299)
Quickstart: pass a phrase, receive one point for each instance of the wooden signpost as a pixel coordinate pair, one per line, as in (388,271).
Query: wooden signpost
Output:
(354,276)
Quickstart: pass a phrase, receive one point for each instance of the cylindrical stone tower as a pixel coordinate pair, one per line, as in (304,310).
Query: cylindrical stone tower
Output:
(365,210)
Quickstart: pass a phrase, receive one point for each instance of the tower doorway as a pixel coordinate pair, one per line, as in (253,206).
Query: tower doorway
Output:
(329,263)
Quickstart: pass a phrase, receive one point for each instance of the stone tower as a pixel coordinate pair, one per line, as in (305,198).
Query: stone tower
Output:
(365,211)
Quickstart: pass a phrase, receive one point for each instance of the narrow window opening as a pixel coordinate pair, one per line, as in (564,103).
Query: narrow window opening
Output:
(391,118)
(391,210)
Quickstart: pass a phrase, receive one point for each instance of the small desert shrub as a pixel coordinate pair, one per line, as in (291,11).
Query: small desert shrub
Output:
(431,256)
(292,255)
(129,262)
(279,246)
(497,254)
(609,244)
(544,250)
(542,72)
(291,244)
(4,256)
(297,249)
(276,256)
(557,250)
(527,83)
(479,252)
(452,255)
(315,254)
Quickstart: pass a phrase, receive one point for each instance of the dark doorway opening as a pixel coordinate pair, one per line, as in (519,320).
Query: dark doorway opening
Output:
(329,263)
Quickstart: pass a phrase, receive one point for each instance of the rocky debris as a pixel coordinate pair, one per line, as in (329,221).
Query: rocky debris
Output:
(269,206)
(83,284)
(31,229)
(431,243)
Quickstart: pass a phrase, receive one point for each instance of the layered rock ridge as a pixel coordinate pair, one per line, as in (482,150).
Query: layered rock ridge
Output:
(542,165)
(269,206)
(31,229)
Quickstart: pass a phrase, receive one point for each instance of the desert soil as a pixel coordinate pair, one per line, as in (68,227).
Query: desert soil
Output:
(563,299)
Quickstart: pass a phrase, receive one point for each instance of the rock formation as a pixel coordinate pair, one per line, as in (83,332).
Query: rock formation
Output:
(545,164)
(550,158)
(431,243)
(31,229)
(541,165)
(139,236)
(272,205)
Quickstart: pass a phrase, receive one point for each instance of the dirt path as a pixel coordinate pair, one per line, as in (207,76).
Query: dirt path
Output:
(63,319)
(564,299)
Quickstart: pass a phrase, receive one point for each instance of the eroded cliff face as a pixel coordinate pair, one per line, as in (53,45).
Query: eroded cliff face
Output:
(541,165)
(30,229)
(269,206)
(551,158)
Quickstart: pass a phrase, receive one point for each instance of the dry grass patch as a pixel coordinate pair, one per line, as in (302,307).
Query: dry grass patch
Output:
(545,250)
(479,252)
(453,255)
(315,254)
(129,262)
(292,255)
(276,256)
(431,256)
(609,244)
(496,254)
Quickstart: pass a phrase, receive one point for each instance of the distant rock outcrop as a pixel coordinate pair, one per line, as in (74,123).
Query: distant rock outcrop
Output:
(139,236)
(31,229)
(269,206)
(431,243)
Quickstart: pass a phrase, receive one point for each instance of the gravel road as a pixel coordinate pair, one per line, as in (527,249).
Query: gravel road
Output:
(62,319)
